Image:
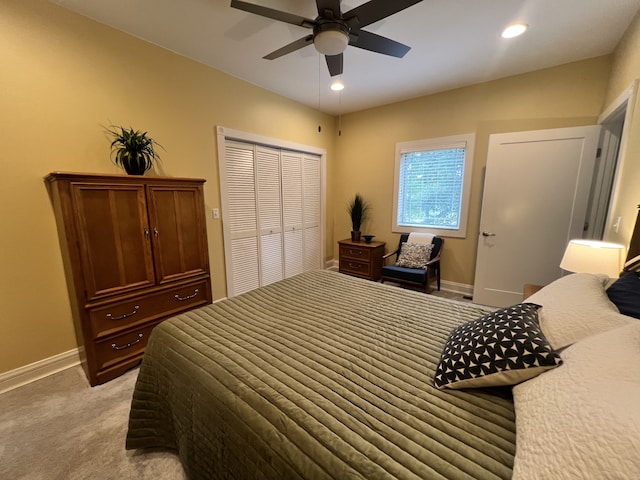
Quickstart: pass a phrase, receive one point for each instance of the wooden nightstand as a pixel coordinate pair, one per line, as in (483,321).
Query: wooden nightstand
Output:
(361,259)
(529,289)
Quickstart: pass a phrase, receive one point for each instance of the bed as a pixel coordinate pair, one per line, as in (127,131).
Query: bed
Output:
(324,376)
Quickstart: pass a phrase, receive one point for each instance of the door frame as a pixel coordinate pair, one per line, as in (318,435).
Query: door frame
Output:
(619,111)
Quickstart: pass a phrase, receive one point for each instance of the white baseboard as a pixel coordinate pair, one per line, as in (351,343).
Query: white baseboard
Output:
(461,288)
(35,371)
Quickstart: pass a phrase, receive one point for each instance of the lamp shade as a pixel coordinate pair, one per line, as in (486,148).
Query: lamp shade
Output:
(590,256)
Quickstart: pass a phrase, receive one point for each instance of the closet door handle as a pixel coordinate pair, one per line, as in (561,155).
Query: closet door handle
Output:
(155,232)
(146,233)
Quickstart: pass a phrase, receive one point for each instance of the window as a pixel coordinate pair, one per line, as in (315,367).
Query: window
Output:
(432,182)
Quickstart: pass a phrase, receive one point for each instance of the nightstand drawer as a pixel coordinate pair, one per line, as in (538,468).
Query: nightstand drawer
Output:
(353,267)
(355,253)
(111,318)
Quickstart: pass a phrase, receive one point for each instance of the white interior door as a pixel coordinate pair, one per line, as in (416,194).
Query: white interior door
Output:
(535,200)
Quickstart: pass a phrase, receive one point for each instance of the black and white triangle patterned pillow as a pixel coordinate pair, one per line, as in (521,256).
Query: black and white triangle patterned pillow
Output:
(504,347)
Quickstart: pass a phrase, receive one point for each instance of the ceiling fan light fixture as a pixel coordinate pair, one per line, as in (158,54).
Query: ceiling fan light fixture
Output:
(337,86)
(331,42)
(514,30)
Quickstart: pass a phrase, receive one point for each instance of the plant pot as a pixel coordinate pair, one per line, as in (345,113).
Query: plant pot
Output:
(134,166)
(355,236)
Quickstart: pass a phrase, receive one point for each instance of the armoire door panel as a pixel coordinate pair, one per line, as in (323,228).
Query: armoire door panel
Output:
(177,231)
(114,238)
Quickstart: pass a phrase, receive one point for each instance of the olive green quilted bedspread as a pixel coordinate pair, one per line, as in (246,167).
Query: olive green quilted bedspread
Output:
(320,376)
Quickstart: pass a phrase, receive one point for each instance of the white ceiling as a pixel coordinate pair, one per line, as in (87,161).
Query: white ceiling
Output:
(454,43)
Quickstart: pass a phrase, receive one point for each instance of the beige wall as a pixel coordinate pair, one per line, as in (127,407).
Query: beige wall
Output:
(625,70)
(567,95)
(63,76)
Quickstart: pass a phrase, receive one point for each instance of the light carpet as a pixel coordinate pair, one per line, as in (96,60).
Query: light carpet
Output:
(59,428)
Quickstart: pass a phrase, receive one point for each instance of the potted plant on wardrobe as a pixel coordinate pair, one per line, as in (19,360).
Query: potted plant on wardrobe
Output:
(133,150)
(358,210)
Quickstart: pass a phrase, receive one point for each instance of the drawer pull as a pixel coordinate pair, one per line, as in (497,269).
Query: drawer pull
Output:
(188,297)
(355,252)
(355,266)
(128,345)
(124,315)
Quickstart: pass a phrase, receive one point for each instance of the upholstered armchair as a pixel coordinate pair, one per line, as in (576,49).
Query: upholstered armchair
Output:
(418,264)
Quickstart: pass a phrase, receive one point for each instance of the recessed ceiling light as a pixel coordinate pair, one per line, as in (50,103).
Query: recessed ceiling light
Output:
(337,86)
(514,30)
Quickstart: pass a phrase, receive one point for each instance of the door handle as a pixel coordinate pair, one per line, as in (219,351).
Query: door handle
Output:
(488,234)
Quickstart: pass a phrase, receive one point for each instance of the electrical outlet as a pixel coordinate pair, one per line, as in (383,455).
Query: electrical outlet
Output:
(216,213)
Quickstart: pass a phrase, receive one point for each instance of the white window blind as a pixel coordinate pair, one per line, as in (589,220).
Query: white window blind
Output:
(431,187)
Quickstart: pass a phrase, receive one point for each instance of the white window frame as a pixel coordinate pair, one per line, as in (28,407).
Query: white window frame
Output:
(466,141)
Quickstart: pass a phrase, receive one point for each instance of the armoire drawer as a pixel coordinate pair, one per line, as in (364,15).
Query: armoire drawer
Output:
(122,347)
(109,319)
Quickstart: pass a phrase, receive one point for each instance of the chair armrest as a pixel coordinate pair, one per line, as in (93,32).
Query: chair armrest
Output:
(391,254)
(435,259)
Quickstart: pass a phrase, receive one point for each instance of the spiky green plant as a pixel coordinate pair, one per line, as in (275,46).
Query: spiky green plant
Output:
(358,210)
(134,150)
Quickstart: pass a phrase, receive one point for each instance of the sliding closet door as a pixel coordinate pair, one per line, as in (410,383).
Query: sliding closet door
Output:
(270,214)
(292,213)
(241,218)
(312,212)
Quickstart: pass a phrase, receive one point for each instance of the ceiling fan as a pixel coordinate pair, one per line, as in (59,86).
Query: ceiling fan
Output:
(334,30)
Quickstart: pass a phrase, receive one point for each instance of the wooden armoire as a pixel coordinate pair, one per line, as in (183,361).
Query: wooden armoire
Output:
(135,252)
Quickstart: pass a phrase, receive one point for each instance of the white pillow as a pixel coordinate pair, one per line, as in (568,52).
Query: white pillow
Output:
(575,307)
(581,420)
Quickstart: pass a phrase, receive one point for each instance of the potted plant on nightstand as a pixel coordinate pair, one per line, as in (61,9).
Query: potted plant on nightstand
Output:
(133,150)
(358,211)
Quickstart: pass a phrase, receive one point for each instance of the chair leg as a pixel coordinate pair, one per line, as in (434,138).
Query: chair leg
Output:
(438,277)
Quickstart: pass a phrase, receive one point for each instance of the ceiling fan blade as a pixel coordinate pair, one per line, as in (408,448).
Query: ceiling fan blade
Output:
(375,10)
(273,14)
(292,47)
(329,5)
(376,43)
(334,62)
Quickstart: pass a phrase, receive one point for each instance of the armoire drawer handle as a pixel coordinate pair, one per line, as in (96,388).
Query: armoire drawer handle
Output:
(128,345)
(124,315)
(182,299)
